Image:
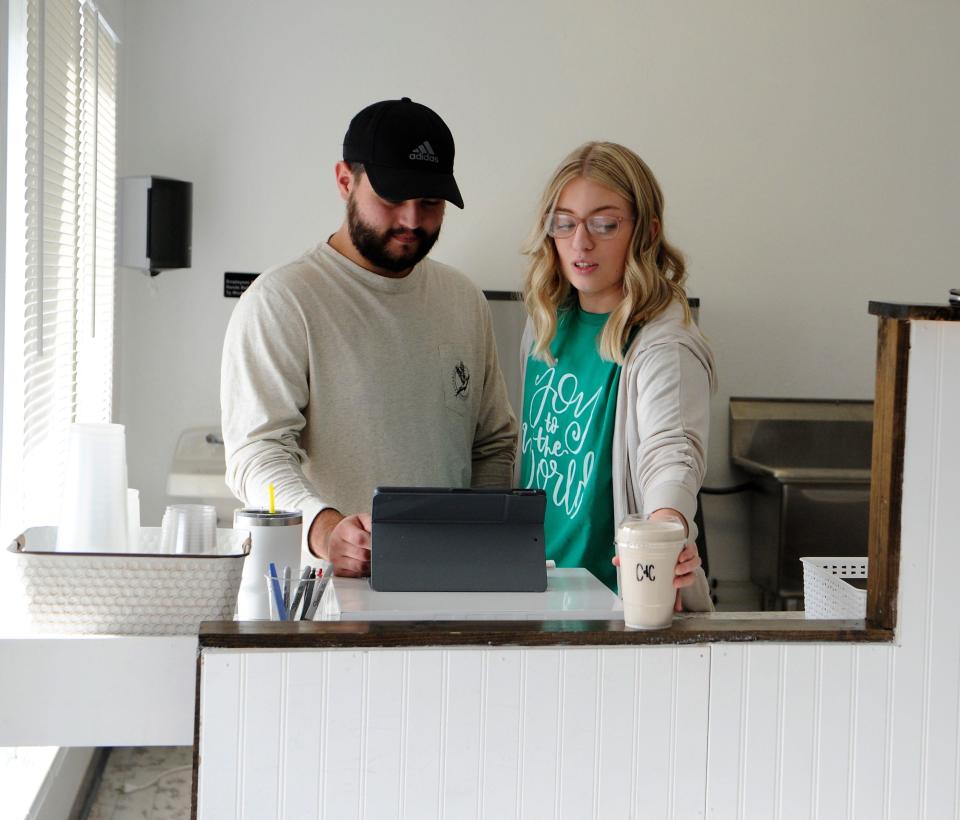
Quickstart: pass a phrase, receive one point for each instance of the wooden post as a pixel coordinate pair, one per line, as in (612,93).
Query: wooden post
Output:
(886,478)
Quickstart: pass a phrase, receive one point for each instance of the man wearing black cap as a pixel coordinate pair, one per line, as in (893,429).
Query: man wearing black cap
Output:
(364,362)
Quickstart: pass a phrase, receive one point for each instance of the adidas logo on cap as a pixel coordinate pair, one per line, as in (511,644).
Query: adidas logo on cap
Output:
(424,151)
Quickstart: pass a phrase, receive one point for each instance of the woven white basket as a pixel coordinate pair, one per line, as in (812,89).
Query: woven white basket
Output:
(825,592)
(142,593)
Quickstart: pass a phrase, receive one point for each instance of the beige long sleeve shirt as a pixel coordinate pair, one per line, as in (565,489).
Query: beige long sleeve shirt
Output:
(336,380)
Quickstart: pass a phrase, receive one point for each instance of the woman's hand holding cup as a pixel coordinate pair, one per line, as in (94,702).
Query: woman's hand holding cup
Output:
(687,561)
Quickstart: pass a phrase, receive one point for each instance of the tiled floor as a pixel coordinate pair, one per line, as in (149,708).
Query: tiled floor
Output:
(168,799)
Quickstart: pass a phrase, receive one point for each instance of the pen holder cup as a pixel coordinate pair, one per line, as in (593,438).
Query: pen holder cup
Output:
(273,589)
(294,603)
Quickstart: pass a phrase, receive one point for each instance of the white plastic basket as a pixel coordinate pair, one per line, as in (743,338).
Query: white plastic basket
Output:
(825,592)
(142,593)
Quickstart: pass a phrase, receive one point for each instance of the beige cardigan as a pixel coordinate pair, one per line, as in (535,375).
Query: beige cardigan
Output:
(661,425)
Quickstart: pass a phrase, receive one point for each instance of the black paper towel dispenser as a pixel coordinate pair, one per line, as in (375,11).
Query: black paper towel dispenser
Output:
(155,223)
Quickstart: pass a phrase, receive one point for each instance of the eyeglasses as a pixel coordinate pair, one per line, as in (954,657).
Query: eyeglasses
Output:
(561,226)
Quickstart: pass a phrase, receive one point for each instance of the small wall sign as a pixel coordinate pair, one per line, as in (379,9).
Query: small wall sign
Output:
(234,284)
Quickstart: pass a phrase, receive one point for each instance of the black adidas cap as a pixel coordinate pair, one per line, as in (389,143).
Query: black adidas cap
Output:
(406,149)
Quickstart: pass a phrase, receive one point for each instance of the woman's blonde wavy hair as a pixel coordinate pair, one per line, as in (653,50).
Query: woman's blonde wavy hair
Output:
(654,273)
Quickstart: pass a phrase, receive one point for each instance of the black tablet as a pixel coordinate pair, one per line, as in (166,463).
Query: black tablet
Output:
(438,539)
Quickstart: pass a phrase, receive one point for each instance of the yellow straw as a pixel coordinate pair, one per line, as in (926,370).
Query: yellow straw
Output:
(273,505)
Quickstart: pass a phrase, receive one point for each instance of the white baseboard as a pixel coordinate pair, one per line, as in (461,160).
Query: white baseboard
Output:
(61,786)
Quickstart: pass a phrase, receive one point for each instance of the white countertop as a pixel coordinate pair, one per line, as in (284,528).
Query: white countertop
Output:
(90,690)
(572,594)
(97,690)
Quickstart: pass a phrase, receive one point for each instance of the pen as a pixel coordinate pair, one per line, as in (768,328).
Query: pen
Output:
(304,576)
(286,590)
(321,585)
(277,592)
(308,594)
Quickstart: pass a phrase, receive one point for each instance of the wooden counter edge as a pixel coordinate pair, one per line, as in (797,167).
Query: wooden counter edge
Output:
(945,312)
(419,634)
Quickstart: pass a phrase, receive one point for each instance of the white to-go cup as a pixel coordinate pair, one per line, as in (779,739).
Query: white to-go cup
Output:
(274,537)
(648,552)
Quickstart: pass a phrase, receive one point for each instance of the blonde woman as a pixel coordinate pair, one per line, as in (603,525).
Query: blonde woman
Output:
(617,378)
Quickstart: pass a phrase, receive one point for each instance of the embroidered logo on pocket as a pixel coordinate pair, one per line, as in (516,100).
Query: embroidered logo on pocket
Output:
(460,380)
(457,368)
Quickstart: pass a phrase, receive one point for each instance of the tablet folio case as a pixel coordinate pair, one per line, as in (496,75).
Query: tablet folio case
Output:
(428,539)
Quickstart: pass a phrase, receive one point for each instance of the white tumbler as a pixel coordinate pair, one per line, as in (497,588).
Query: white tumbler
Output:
(93,512)
(274,538)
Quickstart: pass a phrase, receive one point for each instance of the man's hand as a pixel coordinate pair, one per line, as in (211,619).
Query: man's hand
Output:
(342,540)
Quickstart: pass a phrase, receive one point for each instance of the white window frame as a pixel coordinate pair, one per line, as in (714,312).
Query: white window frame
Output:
(22,505)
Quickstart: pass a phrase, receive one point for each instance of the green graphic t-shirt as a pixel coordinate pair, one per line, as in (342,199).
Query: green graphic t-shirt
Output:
(566,436)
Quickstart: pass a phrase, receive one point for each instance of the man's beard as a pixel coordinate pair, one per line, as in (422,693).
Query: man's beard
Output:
(373,245)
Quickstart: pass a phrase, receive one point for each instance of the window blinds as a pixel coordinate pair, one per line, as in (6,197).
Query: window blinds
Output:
(70,235)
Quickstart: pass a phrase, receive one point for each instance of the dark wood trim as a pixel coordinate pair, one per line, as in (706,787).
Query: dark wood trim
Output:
(90,784)
(196,739)
(893,310)
(886,485)
(503,295)
(517,296)
(689,629)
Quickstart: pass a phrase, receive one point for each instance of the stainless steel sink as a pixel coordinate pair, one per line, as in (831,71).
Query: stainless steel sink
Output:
(796,438)
(811,465)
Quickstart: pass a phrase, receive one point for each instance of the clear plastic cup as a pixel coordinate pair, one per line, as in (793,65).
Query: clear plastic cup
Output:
(273,589)
(189,529)
(303,595)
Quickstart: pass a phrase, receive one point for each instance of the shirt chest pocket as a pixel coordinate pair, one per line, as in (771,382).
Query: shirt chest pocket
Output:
(458,380)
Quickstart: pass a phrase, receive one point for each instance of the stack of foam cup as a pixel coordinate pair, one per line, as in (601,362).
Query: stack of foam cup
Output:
(93,512)
(189,529)
(648,552)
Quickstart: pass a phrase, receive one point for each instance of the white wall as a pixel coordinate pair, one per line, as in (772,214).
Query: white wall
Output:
(807,151)
(112,12)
